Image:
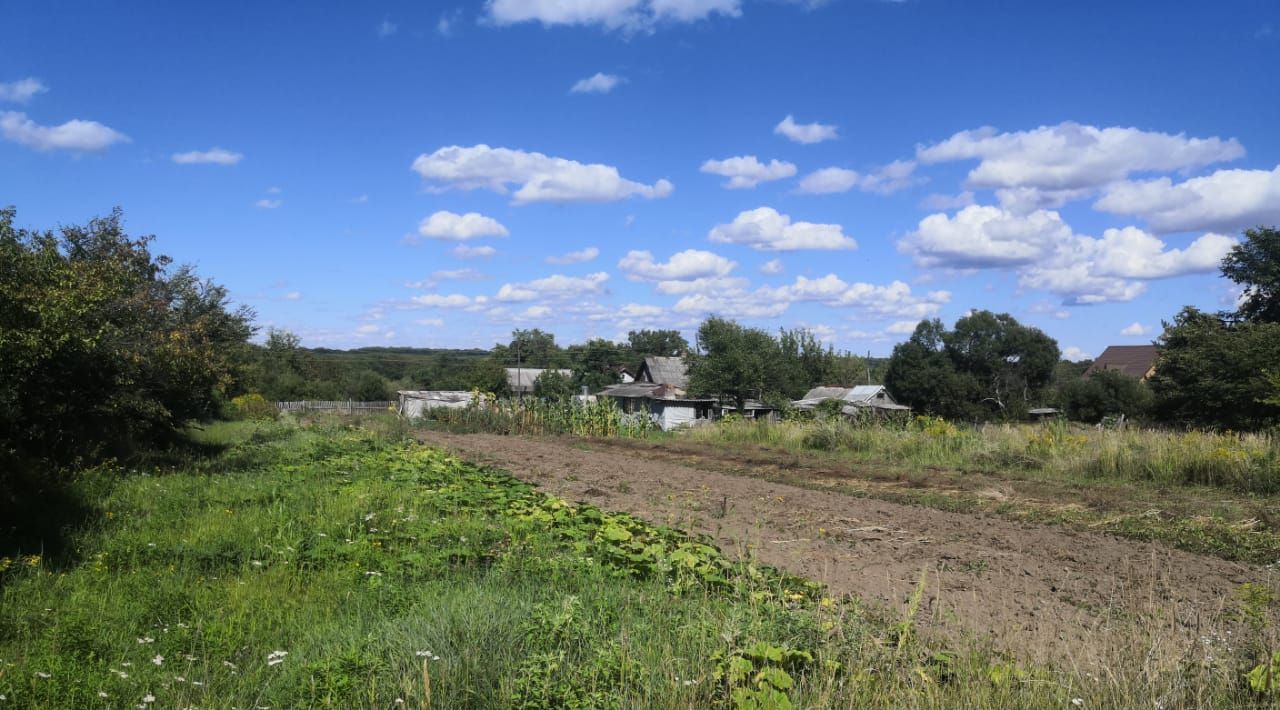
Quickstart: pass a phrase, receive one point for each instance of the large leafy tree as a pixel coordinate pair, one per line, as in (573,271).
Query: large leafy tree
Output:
(1010,362)
(104,348)
(665,343)
(531,348)
(988,365)
(736,362)
(1216,373)
(1254,264)
(921,374)
(595,363)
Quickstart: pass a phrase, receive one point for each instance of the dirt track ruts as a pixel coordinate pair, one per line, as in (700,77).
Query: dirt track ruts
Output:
(1047,592)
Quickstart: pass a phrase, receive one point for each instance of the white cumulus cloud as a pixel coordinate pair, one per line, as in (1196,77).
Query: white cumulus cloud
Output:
(1072,156)
(683,266)
(747,171)
(22,90)
(628,15)
(805,132)
(460,227)
(765,229)
(598,83)
(213,156)
(884,180)
(1135,329)
(1227,200)
(557,286)
(772,267)
(1047,254)
(74,135)
(540,178)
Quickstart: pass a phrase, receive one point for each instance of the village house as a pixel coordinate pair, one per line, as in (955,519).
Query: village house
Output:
(1136,361)
(659,390)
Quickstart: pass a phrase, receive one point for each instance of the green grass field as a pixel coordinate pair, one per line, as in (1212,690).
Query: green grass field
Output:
(340,567)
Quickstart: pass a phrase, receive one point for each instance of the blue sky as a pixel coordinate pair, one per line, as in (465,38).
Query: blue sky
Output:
(437,174)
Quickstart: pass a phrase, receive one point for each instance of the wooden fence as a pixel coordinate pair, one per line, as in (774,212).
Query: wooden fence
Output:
(345,406)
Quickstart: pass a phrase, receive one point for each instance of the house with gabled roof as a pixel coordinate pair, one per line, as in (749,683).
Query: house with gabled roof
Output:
(1136,361)
(664,371)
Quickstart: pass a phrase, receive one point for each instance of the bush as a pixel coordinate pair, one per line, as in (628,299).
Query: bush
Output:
(1105,393)
(253,406)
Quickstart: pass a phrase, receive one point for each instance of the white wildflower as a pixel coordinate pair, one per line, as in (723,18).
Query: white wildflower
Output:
(102,693)
(368,517)
(158,660)
(42,674)
(255,563)
(229,664)
(276,657)
(126,664)
(148,698)
(146,639)
(180,679)
(1078,702)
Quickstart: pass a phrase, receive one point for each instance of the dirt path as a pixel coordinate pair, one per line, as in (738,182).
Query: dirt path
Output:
(1044,592)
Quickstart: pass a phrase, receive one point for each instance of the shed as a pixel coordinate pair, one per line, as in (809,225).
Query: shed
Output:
(415,403)
(664,371)
(521,379)
(1137,361)
(874,397)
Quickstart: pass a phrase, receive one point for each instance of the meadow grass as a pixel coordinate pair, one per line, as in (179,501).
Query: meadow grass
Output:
(1245,463)
(333,566)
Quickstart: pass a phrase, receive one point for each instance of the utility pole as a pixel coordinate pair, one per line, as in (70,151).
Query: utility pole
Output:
(519,379)
(868,361)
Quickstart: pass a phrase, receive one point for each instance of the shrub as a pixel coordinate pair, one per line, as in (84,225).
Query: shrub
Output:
(253,406)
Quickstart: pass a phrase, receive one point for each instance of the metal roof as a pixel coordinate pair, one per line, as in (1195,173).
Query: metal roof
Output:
(521,379)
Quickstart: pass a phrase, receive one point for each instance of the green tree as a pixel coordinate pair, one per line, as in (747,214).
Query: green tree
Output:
(1011,363)
(365,386)
(736,362)
(595,363)
(989,365)
(104,349)
(921,374)
(663,343)
(531,348)
(1103,394)
(553,385)
(1214,373)
(1255,265)
(489,375)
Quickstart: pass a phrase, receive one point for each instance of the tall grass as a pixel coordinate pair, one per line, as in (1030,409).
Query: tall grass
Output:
(1248,463)
(326,567)
(535,416)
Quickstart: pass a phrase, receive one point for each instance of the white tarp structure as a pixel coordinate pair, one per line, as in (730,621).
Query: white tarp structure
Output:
(852,398)
(414,403)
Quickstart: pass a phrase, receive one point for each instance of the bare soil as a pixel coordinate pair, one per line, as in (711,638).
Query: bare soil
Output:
(1043,592)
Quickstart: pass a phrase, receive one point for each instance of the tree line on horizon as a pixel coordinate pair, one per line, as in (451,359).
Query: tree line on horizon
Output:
(107,349)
